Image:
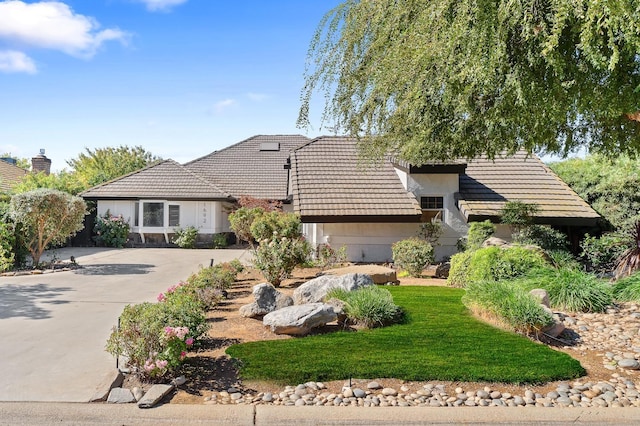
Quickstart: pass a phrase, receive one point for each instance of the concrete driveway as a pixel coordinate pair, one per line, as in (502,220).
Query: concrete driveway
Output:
(53,327)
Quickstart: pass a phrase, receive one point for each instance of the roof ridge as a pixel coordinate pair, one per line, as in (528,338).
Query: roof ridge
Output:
(203,180)
(154,164)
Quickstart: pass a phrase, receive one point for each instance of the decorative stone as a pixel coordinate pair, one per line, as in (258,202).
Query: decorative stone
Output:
(120,396)
(114,380)
(154,395)
(494,242)
(541,295)
(374,385)
(267,299)
(316,290)
(179,381)
(629,364)
(138,393)
(300,319)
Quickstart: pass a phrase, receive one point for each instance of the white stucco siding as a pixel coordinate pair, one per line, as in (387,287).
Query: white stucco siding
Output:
(371,242)
(208,216)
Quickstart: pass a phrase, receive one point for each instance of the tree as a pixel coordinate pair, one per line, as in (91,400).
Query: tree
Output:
(441,79)
(609,185)
(46,216)
(100,165)
(62,181)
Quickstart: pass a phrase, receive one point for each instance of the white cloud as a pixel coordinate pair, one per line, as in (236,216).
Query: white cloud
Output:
(224,104)
(257,97)
(13,61)
(161,5)
(53,25)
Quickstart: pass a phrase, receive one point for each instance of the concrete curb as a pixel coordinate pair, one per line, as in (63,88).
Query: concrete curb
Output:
(25,413)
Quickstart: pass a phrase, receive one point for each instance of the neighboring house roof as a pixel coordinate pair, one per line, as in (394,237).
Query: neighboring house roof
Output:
(253,167)
(10,175)
(164,180)
(487,185)
(328,184)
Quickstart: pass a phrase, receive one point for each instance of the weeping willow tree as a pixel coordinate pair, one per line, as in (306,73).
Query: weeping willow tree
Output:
(440,79)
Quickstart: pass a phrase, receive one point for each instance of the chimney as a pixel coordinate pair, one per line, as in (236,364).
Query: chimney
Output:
(40,163)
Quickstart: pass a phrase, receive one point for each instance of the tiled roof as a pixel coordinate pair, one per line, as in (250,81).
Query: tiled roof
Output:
(327,180)
(252,167)
(9,175)
(488,185)
(164,180)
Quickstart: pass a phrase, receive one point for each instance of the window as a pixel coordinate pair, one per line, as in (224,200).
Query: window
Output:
(136,214)
(174,215)
(153,214)
(432,208)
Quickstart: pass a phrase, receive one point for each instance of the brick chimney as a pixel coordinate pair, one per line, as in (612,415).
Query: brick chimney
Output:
(40,163)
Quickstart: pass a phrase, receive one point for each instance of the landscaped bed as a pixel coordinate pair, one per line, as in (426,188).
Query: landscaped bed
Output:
(439,341)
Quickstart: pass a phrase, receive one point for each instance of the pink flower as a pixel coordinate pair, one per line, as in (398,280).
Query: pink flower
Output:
(169,331)
(189,341)
(161,297)
(182,355)
(161,363)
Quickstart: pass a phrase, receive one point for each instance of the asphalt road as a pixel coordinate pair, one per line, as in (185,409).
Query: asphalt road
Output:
(53,327)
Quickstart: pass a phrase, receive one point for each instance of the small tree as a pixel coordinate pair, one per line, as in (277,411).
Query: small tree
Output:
(518,215)
(412,255)
(46,216)
(241,221)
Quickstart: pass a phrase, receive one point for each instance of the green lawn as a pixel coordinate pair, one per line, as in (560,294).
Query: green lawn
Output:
(441,341)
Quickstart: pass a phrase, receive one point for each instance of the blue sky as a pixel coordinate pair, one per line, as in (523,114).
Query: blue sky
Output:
(182,78)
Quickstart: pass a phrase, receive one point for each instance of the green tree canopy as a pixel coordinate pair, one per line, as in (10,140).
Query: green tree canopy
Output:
(23,163)
(440,79)
(610,185)
(46,216)
(62,181)
(96,166)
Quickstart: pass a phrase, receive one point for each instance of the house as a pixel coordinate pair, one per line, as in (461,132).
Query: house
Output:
(341,200)
(11,174)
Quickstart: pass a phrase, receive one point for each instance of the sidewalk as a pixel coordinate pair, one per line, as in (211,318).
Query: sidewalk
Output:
(24,413)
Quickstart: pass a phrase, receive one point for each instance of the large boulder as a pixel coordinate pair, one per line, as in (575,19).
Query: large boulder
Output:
(378,273)
(315,290)
(267,299)
(299,320)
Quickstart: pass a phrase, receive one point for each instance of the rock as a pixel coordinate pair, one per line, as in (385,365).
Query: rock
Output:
(120,396)
(179,381)
(389,392)
(338,308)
(154,395)
(629,364)
(299,319)
(267,299)
(315,290)
(379,274)
(554,330)
(359,393)
(542,295)
(138,393)
(374,385)
(442,270)
(494,242)
(113,380)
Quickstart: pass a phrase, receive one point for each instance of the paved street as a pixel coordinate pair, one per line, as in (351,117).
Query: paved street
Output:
(53,327)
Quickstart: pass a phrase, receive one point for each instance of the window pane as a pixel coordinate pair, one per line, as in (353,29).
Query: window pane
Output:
(174,215)
(432,202)
(153,214)
(136,219)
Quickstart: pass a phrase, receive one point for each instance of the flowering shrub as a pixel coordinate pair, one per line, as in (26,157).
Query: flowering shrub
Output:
(154,337)
(278,257)
(327,256)
(111,231)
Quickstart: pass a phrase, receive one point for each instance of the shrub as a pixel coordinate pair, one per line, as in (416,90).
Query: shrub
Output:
(601,253)
(478,234)
(627,289)
(327,256)
(276,224)
(518,214)
(629,261)
(562,259)
(186,237)
(459,271)
(241,221)
(219,241)
(512,307)
(220,276)
(542,236)
(154,336)
(369,306)
(111,231)
(570,290)
(277,258)
(7,239)
(412,255)
(431,231)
